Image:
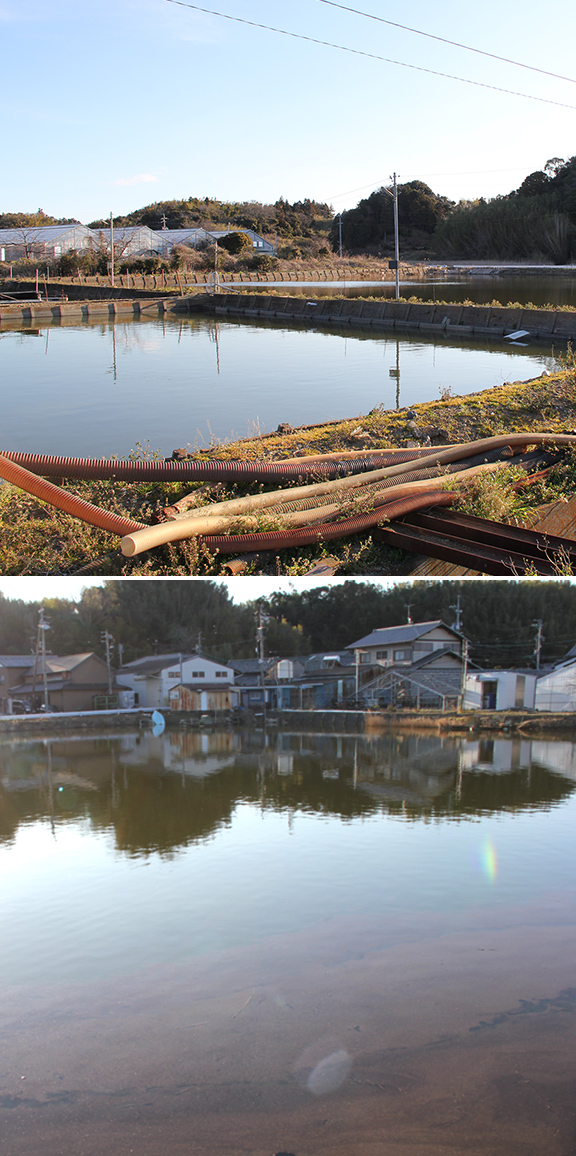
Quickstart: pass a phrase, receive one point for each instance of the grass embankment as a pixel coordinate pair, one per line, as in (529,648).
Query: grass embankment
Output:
(35,539)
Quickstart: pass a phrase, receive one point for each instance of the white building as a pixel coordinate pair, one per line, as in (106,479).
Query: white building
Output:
(556,690)
(152,679)
(45,240)
(500,690)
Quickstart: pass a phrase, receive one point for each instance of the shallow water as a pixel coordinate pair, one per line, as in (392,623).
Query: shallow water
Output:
(286,943)
(99,389)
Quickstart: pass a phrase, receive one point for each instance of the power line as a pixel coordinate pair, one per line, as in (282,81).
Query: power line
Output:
(459,173)
(369,55)
(442,40)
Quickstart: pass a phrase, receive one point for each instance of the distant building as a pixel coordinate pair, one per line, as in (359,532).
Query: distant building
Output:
(167,239)
(500,690)
(73,682)
(45,241)
(259,243)
(133,241)
(152,678)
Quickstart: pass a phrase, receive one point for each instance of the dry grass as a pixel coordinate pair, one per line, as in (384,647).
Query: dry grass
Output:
(34,539)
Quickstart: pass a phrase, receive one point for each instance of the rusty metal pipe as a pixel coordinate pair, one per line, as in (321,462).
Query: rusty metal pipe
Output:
(68,503)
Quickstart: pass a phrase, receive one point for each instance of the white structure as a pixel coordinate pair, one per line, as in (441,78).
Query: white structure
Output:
(151,679)
(45,240)
(166,239)
(556,690)
(133,241)
(499,690)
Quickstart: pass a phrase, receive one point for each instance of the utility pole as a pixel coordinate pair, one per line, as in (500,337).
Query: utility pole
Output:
(538,623)
(340,234)
(458,612)
(111,251)
(396,240)
(199,642)
(43,626)
(408,616)
(395,264)
(107,639)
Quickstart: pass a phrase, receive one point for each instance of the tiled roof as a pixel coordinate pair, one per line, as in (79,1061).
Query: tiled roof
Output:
(392,635)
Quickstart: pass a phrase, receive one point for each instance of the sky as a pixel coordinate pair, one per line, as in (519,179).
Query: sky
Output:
(114,104)
(34,589)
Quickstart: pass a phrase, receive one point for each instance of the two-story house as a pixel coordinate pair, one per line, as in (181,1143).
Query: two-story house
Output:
(152,679)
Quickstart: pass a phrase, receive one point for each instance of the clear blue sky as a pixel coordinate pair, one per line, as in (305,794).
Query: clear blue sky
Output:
(112,104)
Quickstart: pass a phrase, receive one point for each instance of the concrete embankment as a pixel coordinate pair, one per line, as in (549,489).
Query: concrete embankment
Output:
(550,325)
(454,320)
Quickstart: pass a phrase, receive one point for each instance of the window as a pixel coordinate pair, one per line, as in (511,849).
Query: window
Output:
(221,674)
(198,674)
(173,674)
(424,646)
(402,655)
(381,654)
(365,658)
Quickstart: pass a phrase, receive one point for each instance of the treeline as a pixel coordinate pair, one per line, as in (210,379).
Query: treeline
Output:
(535,222)
(148,617)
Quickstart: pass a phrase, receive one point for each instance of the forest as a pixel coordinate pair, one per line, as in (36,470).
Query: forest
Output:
(147,617)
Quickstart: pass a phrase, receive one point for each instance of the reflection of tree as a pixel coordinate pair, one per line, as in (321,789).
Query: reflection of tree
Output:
(153,810)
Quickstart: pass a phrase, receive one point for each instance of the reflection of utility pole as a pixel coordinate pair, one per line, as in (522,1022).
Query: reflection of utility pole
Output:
(464,672)
(396,373)
(43,626)
(107,639)
(538,623)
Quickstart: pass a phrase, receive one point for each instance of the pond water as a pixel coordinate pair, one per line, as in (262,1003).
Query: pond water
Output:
(225,943)
(99,389)
(538,289)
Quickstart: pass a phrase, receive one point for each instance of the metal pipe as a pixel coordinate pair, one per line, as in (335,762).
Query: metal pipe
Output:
(68,503)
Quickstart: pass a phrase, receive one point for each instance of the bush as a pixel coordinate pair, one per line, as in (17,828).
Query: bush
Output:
(235,243)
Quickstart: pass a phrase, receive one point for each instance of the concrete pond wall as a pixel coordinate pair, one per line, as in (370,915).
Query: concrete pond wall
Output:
(555,325)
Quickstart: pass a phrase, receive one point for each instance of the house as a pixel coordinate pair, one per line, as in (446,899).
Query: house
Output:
(208,697)
(43,241)
(500,690)
(266,682)
(13,668)
(72,681)
(417,664)
(152,678)
(258,243)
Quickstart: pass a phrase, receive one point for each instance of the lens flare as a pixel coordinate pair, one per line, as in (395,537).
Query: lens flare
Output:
(489,862)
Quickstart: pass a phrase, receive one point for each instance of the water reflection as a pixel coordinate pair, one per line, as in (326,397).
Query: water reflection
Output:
(160,793)
(276,942)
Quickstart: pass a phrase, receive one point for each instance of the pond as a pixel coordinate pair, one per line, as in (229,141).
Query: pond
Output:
(99,389)
(273,942)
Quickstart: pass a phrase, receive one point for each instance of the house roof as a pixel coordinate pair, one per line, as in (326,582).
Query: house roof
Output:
(68,661)
(433,656)
(16,659)
(392,635)
(155,664)
(199,686)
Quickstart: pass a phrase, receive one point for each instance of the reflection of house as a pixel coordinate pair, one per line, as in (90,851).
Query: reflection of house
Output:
(500,690)
(152,679)
(418,664)
(73,682)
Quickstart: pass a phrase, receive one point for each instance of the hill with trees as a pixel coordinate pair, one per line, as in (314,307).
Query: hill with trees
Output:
(149,617)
